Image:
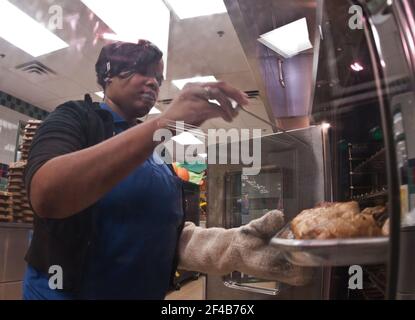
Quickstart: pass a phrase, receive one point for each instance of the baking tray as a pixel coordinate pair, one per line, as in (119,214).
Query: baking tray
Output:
(331,252)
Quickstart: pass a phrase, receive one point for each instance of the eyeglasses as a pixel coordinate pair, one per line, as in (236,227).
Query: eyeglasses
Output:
(145,73)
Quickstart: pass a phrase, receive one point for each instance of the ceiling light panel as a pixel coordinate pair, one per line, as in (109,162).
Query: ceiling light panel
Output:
(24,32)
(100,94)
(132,20)
(288,40)
(182,82)
(154,110)
(187,138)
(185,9)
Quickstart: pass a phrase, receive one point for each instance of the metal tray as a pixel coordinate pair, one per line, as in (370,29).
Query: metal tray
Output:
(332,252)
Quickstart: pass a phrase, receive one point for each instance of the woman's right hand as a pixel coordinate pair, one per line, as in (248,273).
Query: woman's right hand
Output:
(192,105)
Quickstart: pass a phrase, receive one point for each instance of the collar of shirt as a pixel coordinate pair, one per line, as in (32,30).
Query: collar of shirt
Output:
(120,124)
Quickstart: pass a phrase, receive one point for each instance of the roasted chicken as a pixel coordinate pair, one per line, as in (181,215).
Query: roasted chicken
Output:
(337,220)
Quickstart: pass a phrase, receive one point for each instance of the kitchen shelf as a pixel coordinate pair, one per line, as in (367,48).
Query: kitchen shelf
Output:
(378,157)
(370,195)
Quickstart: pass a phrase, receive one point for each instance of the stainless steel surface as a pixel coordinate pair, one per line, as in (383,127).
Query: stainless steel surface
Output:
(14,242)
(11,290)
(11,225)
(273,125)
(406,279)
(254,18)
(216,290)
(332,252)
(404,11)
(405,296)
(17,245)
(249,288)
(304,186)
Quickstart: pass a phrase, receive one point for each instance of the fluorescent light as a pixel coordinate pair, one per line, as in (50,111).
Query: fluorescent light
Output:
(116,37)
(187,138)
(325,125)
(182,82)
(100,94)
(10,148)
(154,110)
(122,38)
(24,32)
(289,39)
(132,20)
(195,8)
(356,66)
(7,125)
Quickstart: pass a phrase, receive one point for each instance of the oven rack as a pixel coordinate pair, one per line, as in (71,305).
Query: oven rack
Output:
(371,195)
(376,161)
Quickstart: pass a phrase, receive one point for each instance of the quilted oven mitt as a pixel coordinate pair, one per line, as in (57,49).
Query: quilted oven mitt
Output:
(245,249)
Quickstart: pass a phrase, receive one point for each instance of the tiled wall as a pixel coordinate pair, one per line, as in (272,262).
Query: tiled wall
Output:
(13,110)
(9,124)
(23,107)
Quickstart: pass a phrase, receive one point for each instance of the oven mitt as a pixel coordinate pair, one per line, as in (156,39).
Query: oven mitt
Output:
(245,249)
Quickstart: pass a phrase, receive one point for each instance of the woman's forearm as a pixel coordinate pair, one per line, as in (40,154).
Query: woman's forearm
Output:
(67,184)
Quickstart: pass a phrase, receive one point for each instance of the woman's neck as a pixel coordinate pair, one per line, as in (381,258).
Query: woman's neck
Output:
(114,107)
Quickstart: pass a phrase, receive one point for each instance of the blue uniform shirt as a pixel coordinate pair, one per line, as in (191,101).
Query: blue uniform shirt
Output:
(138,225)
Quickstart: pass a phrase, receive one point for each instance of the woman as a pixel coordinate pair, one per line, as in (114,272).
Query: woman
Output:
(107,214)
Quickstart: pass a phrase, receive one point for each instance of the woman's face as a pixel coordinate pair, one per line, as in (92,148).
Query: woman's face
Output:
(135,95)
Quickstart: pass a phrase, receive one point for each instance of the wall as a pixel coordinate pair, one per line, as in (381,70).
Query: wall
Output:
(13,110)
(9,122)
(16,104)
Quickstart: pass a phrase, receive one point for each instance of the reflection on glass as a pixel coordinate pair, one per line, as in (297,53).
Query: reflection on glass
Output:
(250,197)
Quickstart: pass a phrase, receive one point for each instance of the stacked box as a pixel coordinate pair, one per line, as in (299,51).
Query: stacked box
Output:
(29,132)
(6,211)
(22,211)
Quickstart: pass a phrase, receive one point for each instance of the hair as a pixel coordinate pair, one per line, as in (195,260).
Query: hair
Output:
(119,57)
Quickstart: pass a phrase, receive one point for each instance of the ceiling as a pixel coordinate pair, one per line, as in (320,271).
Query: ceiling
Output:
(254,18)
(195,48)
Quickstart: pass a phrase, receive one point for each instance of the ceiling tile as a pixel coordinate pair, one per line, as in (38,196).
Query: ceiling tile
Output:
(63,87)
(195,49)
(22,88)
